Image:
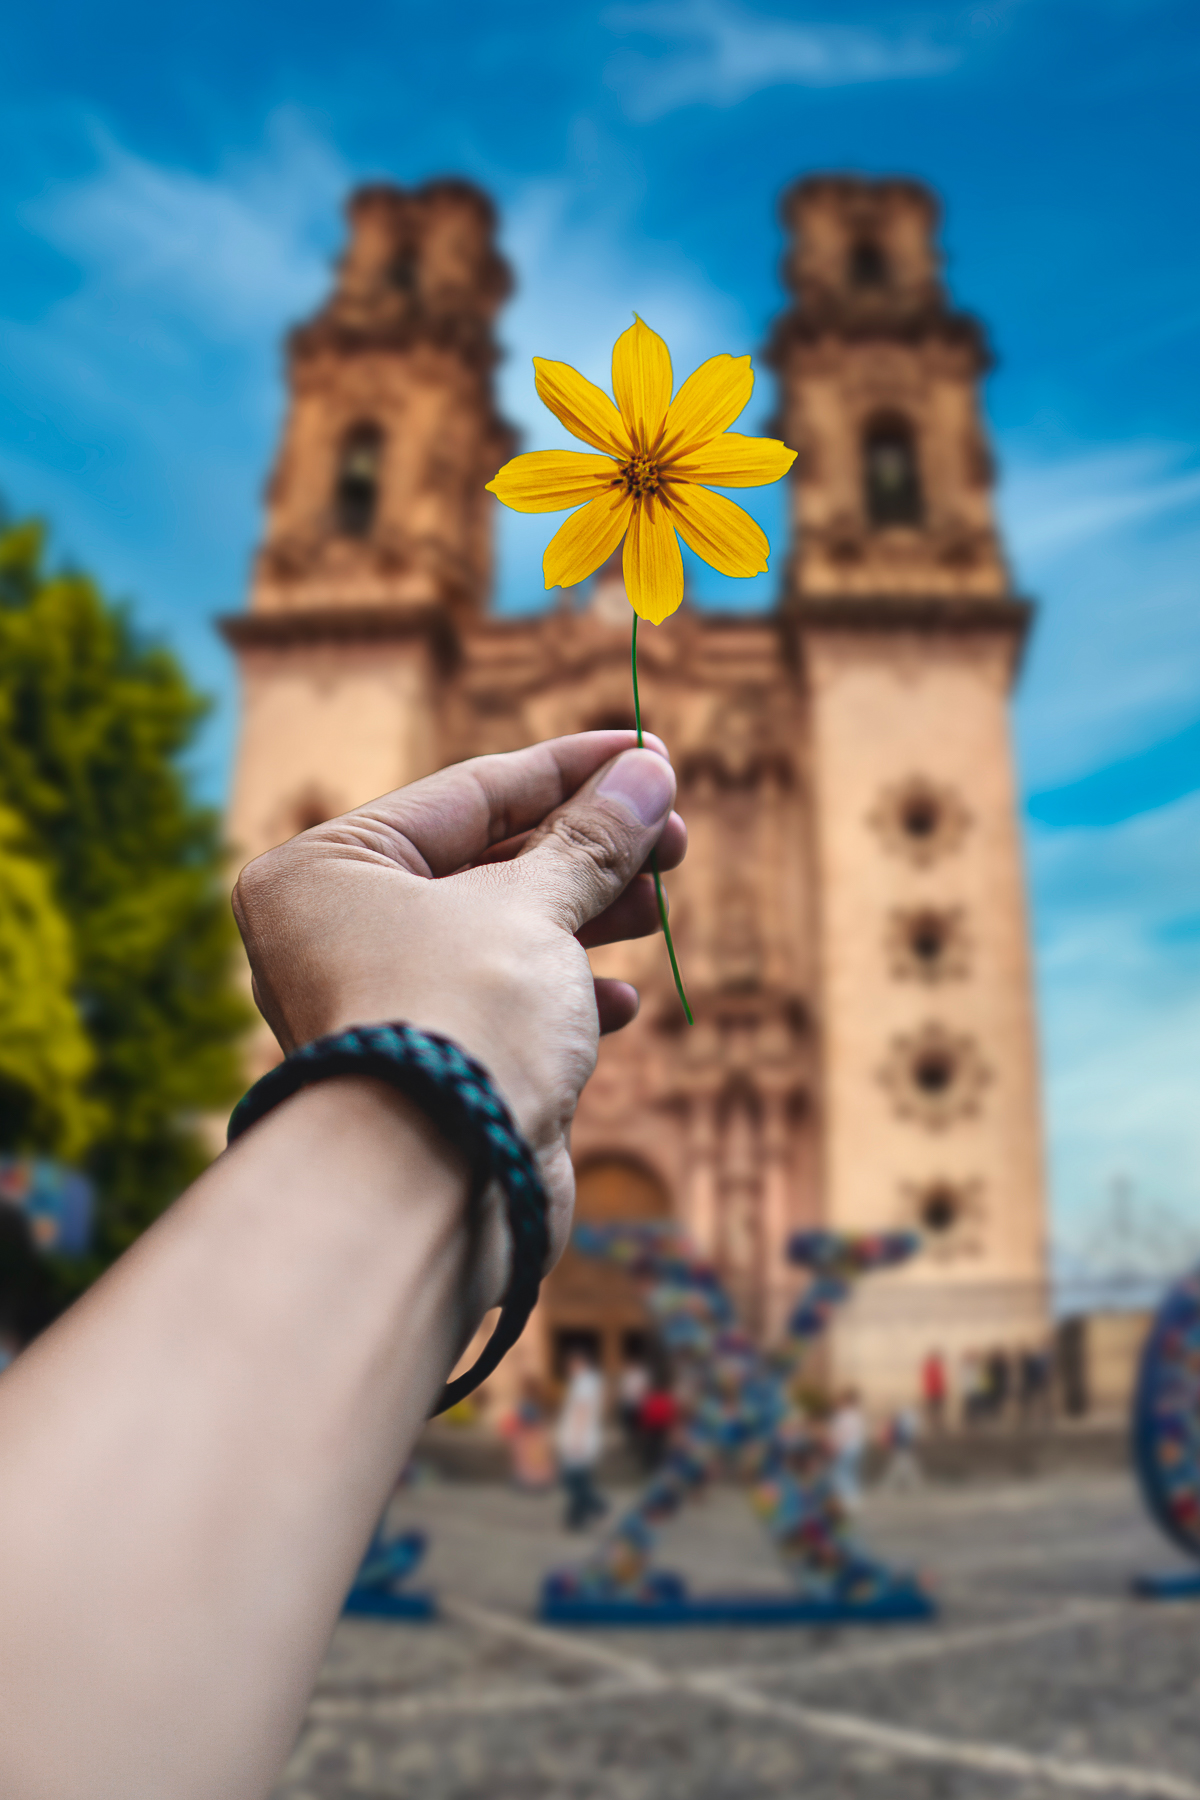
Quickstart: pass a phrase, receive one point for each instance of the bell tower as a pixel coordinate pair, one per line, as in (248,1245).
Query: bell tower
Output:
(377,496)
(908,638)
(376,557)
(891,489)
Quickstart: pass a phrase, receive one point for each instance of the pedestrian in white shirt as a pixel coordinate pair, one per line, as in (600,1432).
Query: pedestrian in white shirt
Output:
(579,1440)
(848,1441)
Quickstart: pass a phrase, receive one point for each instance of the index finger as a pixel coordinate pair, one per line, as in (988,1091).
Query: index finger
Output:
(436,825)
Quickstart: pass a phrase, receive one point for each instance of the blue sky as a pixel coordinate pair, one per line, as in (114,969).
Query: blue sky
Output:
(169,188)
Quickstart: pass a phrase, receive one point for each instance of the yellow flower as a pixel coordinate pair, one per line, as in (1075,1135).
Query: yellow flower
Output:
(645,485)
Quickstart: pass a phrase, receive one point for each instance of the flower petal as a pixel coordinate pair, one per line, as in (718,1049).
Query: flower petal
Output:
(585,410)
(731,461)
(726,537)
(552,480)
(587,539)
(707,403)
(652,563)
(641,382)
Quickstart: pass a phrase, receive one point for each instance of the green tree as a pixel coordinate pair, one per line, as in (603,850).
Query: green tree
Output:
(94,722)
(45,1054)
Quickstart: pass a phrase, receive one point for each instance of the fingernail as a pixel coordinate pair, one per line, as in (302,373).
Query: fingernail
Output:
(642,782)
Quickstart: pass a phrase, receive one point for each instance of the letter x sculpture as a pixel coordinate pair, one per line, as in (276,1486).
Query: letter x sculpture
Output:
(736,1414)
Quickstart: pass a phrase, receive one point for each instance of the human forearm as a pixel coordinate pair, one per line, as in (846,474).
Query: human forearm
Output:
(231,1406)
(191,1461)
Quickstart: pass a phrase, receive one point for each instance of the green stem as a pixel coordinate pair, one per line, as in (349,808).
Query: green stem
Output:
(658,886)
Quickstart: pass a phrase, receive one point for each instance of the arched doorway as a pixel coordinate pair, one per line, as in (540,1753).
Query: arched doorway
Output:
(590,1305)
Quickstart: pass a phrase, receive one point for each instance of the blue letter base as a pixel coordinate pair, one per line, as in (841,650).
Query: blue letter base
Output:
(1178,1584)
(377,1592)
(669,1603)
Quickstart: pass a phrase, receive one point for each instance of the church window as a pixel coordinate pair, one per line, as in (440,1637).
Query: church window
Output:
(402,271)
(939,1208)
(920,820)
(890,475)
(868,265)
(927,937)
(927,944)
(357,496)
(933,1071)
(935,1076)
(949,1213)
(920,815)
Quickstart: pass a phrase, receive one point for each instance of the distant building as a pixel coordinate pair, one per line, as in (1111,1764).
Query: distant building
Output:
(851,916)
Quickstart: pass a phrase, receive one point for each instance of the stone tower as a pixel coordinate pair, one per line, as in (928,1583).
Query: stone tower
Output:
(909,639)
(850,917)
(378,493)
(378,531)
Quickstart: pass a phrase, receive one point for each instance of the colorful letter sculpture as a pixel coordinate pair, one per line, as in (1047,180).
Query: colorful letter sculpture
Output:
(736,1413)
(57,1202)
(1166,1434)
(378,1589)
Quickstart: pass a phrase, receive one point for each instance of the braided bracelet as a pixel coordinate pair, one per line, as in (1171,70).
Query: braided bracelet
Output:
(458,1095)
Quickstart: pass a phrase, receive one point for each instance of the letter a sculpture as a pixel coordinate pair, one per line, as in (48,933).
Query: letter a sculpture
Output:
(737,1414)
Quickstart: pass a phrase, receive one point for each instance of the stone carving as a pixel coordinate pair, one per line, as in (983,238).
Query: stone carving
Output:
(948,1213)
(929,944)
(737,950)
(935,1076)
(920,819)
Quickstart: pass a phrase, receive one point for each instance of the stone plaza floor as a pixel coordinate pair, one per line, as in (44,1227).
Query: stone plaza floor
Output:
(1042,1676)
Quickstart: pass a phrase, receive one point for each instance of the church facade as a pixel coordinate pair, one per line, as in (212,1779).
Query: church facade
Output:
(851,916)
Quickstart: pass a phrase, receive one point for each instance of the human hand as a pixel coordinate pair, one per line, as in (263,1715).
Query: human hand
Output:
(463,904)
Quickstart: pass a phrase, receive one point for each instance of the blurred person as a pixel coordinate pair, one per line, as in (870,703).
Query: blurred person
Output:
(934,1391)
(526,1428)
(998,1378)
(1033,1385)
(848,1443)
(196,1454)
(657,1418)
(633,1384)
(902,1471)
(579,1439)
(974,1388)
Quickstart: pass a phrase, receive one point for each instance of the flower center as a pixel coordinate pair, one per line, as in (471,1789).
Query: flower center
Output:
(640,476)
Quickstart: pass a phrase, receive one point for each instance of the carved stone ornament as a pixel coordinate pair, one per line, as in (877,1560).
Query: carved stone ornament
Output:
(920,819)
(935,1076)
(737,947)
(929,944)
(949,1214)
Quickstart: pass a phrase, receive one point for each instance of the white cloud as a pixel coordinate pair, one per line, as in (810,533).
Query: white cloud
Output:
(233,253)
(1108,539)
(724,55)
(1051,507)
(1121,1009)
(149,392)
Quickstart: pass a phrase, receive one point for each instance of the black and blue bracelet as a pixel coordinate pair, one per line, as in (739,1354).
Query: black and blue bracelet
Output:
(460,1098)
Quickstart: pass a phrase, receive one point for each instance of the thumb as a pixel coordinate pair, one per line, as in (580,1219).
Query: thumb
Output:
(588,852)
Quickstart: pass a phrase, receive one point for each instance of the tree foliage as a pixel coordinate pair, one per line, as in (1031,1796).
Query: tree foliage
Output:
(94,722)
(45,1054)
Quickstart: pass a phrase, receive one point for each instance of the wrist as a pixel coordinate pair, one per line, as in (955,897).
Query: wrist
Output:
(462,1105)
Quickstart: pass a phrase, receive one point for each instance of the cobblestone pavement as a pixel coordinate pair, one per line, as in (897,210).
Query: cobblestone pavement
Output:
(1041,1678)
